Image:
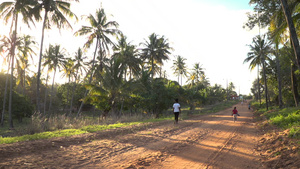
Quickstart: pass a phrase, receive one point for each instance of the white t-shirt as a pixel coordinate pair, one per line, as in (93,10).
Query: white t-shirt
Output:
(176,107)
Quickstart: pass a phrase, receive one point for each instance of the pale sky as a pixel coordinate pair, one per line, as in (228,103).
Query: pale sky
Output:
(209,32)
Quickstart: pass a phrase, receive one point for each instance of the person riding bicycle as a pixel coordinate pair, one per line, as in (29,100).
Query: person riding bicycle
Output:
(235,114)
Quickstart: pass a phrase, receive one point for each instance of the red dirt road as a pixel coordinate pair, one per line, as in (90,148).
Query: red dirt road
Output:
(209,141)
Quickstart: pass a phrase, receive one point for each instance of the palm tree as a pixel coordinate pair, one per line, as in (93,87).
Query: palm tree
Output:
(8,10)
(281,35)
(68,72)
(54,58)
(109,94)
(128,54)
(5,47)
(79,67)
(26,50)
(231,86)
(179,67)
(55,12)
(156,50)
(259,51)
(100,29)
(293,33)
(198,71)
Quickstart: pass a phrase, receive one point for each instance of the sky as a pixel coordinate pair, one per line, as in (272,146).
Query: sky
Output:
(207,32)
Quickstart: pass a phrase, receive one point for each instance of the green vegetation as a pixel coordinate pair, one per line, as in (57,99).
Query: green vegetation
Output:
(287,118)
(121,81)
(94,128)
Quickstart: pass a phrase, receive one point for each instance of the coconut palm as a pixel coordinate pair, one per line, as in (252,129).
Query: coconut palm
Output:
(54,58)
(99,30)
(25,51)
(231,87)
(198,71)
(155,51)
(68,72)
(259,51)
(294,37)
(281,35)
(79,69)
(5,47)
(109,94)
(55,13)
(12,10)
(179,67)
(128,54)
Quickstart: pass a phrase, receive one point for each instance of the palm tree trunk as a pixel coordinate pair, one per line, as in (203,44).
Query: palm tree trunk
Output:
(52,89)
(152,68)
(12,73)
(266,87)
(4,98)
(46,93)
(181,79)
(68,92)
(39,66)
(73,91)
(279,80)
(258,85)
(91,77)
(293,33)
(294,85)
(24,80)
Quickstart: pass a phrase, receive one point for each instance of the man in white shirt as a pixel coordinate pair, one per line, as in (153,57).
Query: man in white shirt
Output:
(176,110)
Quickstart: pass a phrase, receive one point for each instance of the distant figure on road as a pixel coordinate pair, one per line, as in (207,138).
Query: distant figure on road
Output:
(249,106)
(235,114)
(176,110)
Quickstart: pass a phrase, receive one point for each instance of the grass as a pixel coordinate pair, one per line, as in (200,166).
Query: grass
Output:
(287,118)
(64,133)
(62,126)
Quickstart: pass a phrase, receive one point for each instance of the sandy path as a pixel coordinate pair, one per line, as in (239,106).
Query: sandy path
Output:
(210,141)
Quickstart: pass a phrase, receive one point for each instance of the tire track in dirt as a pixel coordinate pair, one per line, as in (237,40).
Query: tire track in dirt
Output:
(202,141)
(219,143)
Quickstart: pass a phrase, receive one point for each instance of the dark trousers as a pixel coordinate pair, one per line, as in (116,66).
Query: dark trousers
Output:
(176,116)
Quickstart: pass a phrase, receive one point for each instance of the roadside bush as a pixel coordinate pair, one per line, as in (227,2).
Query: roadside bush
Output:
(21,107)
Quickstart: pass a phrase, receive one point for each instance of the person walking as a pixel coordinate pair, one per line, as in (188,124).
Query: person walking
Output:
(176,110)
(235,114)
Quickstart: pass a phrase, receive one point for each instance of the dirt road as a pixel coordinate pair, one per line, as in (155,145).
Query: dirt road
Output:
(208,141)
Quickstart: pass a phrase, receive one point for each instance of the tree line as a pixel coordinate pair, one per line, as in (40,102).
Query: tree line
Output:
(118,78)
(276,53)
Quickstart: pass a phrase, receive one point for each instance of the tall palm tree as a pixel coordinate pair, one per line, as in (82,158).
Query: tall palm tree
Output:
(231,86)
(179,67)
(112,87)
(259,51)
(54,58)
(68,72)
(100,29)
(55,13)
(155,51)
(198,71)
(129,55)
(26,50)
(293,33)
(79,67)
(5,47)
(282,33)
(12,10)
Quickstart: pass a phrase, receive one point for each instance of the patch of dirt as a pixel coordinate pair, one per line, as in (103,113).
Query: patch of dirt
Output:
(276,149)
(208,141)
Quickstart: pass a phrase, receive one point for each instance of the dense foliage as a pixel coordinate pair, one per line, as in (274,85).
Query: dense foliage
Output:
(118,79)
